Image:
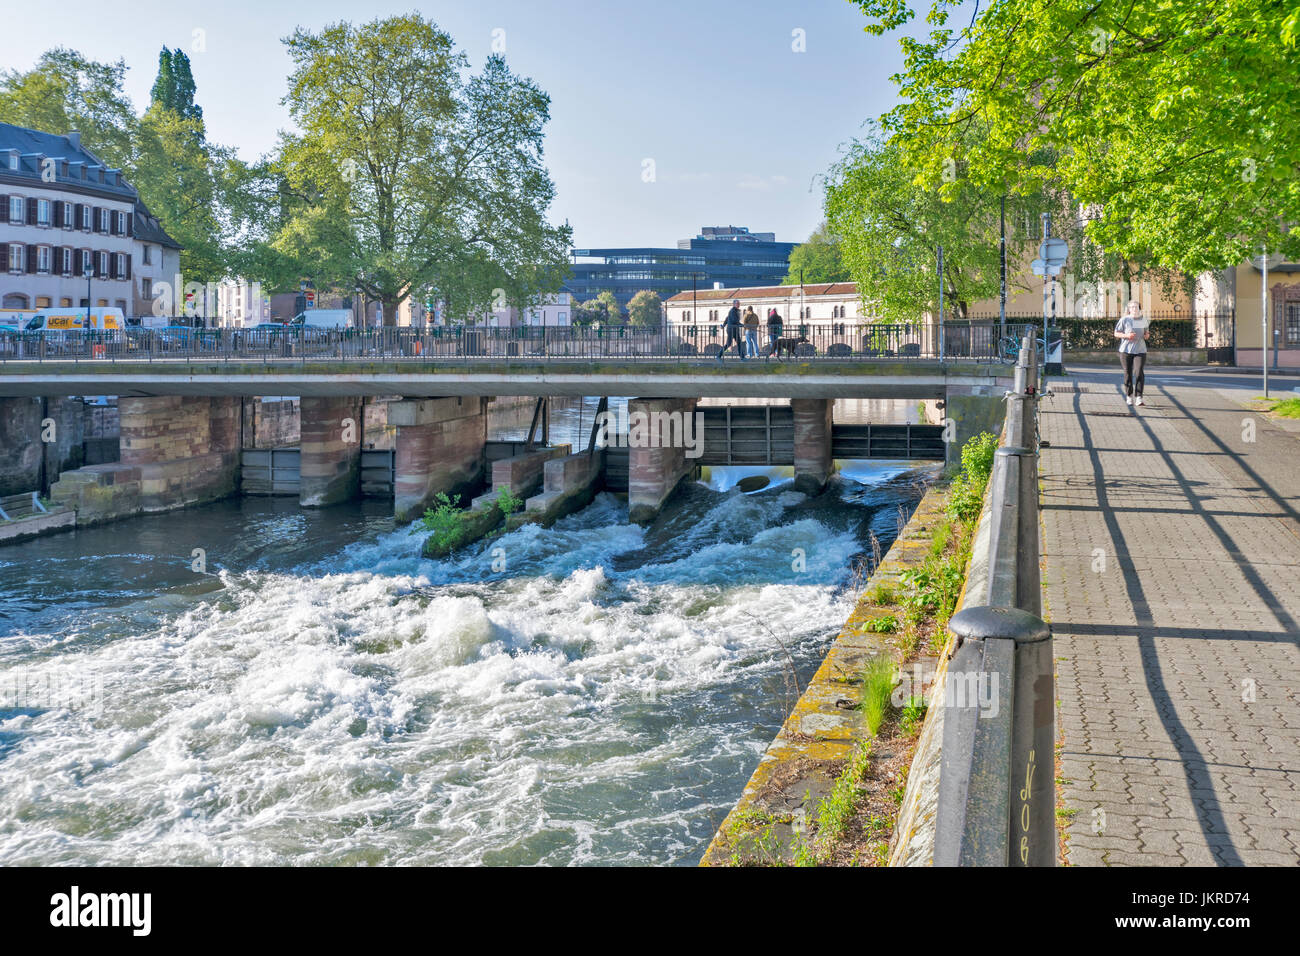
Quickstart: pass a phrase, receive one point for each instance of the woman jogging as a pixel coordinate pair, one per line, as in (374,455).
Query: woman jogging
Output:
(1132,332)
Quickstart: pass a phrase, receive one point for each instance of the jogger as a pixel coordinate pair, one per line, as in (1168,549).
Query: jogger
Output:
(1132,332)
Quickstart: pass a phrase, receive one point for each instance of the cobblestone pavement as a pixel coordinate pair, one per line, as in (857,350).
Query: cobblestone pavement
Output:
(1172,580)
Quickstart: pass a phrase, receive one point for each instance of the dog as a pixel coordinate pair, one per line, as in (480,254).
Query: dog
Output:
(788,345)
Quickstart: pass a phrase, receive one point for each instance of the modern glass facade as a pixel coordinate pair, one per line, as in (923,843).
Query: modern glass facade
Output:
(741,260)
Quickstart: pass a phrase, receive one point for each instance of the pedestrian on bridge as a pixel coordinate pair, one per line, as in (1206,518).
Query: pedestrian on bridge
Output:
(775,329)
(732,328)
(751,331)
(1133,330)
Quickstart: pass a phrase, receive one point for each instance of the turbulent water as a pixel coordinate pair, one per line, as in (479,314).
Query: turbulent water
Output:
(319,694)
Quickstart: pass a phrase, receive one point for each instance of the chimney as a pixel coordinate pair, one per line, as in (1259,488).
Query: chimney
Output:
(75,139)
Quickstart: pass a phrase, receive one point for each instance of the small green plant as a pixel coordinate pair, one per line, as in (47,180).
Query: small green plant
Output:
(967,494)
(882,625)
(507,502)
(877,688)
(913,715)
(882,595)
(442,521)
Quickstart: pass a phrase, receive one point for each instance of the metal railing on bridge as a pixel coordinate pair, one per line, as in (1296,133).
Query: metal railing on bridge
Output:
(996,802)
(799,342)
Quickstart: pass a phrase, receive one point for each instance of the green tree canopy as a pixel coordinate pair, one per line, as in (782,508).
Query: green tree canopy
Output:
(173,89)
(817,260)
(407,175)
(645,309)
(1174,125)
(185,181)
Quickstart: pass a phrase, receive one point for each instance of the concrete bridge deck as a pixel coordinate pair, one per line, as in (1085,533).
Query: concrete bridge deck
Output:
(429,378)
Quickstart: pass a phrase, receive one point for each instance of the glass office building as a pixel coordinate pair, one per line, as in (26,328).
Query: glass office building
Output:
(729,255)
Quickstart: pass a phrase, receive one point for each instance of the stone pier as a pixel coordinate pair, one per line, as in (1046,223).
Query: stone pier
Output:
(330,461)
(655,472)
(812,443)
(439,448)
(971,410)
(175,451)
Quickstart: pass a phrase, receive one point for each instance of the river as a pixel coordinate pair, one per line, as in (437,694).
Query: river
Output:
(307,690)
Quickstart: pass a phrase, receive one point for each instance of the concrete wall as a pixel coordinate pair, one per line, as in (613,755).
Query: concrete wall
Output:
(22,452)
(271,424)
(175,451)
(655,473)
(972,414)
(439,448)
(812,443)
(330,464)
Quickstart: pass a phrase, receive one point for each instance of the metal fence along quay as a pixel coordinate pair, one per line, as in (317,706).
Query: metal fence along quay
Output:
(799,342)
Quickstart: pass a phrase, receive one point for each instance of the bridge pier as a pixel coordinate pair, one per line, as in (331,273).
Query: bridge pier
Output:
(813,463)
(330,462)
(175,451)
(654,472)
(439,448)
(971,409)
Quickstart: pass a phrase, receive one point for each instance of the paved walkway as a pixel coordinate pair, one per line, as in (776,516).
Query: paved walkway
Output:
(1172,571)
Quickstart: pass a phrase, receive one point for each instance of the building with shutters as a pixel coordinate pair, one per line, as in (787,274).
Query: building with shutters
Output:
(68,222)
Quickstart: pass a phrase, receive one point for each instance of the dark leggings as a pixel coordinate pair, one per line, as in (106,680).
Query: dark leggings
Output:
(1134,364)
(733,335)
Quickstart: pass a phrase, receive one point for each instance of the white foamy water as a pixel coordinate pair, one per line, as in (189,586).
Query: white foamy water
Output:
(600,696)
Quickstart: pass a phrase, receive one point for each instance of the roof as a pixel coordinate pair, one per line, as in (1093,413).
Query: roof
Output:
(28,142)
(842,289)
(147,228)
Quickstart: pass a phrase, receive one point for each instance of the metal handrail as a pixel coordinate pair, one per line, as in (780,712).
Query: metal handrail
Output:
(797,342)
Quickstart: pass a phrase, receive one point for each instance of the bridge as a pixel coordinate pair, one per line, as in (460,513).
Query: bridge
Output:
(180,391)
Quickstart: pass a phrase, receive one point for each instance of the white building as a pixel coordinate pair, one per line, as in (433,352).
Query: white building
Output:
(240,304)
(833,303)
(554,310)
(72,231)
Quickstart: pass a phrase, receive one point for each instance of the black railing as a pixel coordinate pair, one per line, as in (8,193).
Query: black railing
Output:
(798,342)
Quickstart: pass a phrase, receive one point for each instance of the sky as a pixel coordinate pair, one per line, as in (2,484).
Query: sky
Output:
(665,116)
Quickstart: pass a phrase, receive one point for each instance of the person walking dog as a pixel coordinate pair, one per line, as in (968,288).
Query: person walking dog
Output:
(775,329)
(1132,331)
(732,328)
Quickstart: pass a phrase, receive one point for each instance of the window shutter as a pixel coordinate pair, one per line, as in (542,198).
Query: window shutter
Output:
(94,219)
(128,264)
(129,224)
(76,213)
(31,211)
(58,215)
(4,257)
(56,260)
(4,208)
(31,260)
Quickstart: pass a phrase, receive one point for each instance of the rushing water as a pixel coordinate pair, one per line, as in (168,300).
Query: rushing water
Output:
(592,693)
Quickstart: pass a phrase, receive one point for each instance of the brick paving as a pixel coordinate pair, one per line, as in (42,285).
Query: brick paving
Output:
(1172,581)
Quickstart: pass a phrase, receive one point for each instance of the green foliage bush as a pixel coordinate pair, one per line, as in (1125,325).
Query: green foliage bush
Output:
(967,494)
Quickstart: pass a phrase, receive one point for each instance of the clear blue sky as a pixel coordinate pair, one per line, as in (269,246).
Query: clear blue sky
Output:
(739,126)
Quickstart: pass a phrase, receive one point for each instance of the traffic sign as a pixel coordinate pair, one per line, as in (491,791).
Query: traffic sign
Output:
(1054,251)
(1041,268)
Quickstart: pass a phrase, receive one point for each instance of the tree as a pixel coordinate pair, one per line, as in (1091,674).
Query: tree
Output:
(1173,124)
(817,260)
(174,89)
(607,302)
(645,310)
(180,177)
(63,92)
(406,175)
(890,231)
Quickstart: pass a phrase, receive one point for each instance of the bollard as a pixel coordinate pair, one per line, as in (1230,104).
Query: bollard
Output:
(996,794)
